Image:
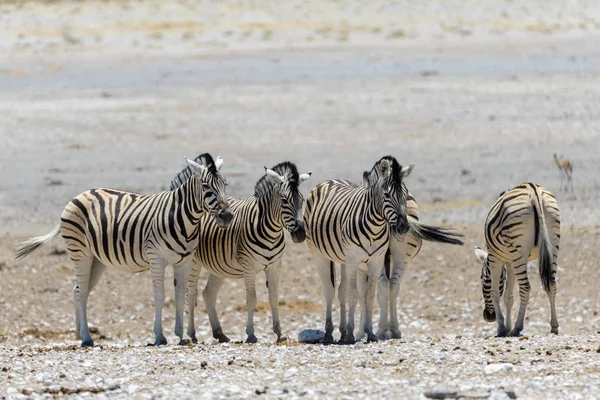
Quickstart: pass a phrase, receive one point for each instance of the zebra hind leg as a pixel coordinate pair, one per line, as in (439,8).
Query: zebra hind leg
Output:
(210,294)
(326,271)
(250,281)
(192,298)
(80,295)
(157,271)
(273,286)
(524,288)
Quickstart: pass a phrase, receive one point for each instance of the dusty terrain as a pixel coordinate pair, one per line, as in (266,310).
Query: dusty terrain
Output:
(478,96)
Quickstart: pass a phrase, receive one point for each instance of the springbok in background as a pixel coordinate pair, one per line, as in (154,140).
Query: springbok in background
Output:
(566,171)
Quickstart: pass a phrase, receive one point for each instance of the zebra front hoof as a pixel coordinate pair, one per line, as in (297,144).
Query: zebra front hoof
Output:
(554,330)
(251,339)
(159,342)
(185,341)
(348,339)
(502,332)
(371,337)
(396,334)
(515,333)
(87,343)
(194,340)
(282,339)
(223,338)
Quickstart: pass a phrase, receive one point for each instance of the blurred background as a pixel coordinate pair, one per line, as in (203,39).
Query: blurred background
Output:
(479,94)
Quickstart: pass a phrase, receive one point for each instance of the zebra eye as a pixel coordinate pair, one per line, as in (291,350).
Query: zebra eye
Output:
(386,195)
(284,200)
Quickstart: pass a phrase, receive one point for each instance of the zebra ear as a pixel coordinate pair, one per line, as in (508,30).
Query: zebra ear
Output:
(304,177)
(365,179)
(406,171)
(481,254)
(198,168)
(219,163)
(384,168)
(274,176)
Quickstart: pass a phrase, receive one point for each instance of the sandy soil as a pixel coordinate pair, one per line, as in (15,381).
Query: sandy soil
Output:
(478,96)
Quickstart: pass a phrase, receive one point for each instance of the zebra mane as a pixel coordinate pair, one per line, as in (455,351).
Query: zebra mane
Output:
(204,159)
(371,177)
(286,169)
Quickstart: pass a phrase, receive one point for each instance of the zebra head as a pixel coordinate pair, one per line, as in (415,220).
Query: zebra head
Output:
(213,187)
(489,313)
(286,179)
(387,176)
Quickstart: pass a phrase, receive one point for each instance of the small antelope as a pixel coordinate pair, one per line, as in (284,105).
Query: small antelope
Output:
(566,171)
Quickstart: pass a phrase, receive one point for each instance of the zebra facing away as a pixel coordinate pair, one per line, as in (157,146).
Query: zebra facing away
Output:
(523,224)
(400,251)
(351,225)
(136,232)
(253,242)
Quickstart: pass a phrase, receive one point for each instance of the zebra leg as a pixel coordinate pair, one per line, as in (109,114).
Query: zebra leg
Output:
(192,298)
(520,270)
(496,268)
(353,299)
(272,273)
(372,275)
(181,273)
(326,271)
(157,272)
(77,311)
(397,274)
(508,294)
(343,298)
(250,281)
(210,294)
(81,292)
(554,236)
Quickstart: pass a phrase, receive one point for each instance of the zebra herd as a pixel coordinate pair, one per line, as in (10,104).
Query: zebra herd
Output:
(372,230)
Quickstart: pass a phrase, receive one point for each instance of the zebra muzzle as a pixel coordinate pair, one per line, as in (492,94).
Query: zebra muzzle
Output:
(224,218)
(299,234)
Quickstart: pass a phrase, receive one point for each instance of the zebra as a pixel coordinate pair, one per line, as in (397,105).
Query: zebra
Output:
(400,251)
(253,242)
(522,225)
(351,225)
(135,232)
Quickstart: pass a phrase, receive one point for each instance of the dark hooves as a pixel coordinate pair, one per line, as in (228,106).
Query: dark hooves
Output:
(158,342)
(87,343)
(252,339)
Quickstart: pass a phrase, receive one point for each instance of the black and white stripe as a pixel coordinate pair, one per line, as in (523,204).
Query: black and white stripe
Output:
(352,225)
(135,232)
(523,224)
(253,242)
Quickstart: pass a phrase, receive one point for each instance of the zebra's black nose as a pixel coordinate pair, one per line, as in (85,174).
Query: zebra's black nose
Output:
(224,218)
(299,234)
(402,226)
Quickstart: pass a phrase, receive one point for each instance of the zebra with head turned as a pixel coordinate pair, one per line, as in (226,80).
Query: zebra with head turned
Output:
(136,232)
(352,225)
(522,225)
(253,242)
(401,249)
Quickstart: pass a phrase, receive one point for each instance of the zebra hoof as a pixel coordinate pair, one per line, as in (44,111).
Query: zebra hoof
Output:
(194,340)
(223,338)
(282,338)
(396,334)
(252,339)
(87,343)
(159,342)
(371,338)
(348,339)
(328,339)
(554,330)
(514,333)
(185,341)
(502,332)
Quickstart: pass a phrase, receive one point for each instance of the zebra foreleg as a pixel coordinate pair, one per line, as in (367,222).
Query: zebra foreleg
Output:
(250,281)
(272,273)
(372,275)
(210,294)
(192,298)
(157,271)
(343,299)
(521,271)
(326,272)
(397,274)
(351,270)
(181,274)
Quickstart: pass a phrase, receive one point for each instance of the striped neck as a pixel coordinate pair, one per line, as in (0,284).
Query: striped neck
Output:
(270,215)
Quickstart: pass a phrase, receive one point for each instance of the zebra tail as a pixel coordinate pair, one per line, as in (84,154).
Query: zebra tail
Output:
(545,252)
(29,246)
(434,233)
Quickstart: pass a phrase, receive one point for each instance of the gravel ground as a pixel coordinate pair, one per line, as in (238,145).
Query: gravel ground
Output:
(478,97)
